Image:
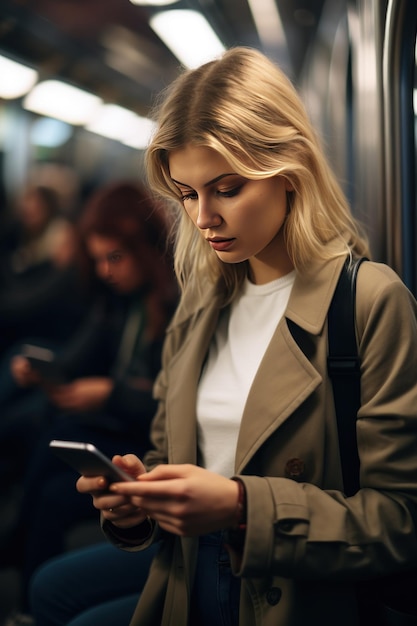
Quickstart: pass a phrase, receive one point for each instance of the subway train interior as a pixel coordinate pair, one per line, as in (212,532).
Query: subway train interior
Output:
(353,62)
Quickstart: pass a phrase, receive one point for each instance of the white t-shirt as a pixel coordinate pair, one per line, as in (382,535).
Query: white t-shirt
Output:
(236,350)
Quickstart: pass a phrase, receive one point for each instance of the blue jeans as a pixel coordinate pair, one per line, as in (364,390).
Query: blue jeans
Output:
(99,584)
(216,591)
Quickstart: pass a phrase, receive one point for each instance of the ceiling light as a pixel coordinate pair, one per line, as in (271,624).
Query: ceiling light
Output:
(53,98)
(116,122)
(111,121)
(16,79)
(188,35)
(153,3)
(140,133)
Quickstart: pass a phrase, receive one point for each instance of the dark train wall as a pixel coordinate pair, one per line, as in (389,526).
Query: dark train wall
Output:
(359,85)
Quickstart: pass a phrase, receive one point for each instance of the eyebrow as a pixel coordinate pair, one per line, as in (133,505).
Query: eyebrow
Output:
(210,182)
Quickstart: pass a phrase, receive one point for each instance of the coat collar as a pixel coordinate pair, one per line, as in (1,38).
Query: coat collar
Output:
(309,300)
(312,293)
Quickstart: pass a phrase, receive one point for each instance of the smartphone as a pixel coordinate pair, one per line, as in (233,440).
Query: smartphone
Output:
(88,460)
(43,361)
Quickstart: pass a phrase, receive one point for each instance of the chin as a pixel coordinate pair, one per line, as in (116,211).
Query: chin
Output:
(230,259)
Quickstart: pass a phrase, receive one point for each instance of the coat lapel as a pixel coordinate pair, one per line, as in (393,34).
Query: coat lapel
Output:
(284,380)
(286,377)
(185,369)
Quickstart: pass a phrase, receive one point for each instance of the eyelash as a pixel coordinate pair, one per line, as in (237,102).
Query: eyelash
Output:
(231,193)
(188,196)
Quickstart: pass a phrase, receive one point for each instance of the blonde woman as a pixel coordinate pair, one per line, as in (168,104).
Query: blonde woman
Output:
(244,487)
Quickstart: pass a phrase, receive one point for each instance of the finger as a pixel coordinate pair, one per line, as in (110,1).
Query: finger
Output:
(162,489)
(130,463)
(178,526)
(167,472)
(91,485)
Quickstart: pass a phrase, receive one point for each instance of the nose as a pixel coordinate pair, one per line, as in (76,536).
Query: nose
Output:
(207,216)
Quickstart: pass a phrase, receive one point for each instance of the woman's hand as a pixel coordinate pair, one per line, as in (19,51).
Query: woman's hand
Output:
(184,499)
(23,373)
(117,508)
(82,394)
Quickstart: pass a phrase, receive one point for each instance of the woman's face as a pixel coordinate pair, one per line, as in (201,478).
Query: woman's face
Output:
(114,264)
(241,219)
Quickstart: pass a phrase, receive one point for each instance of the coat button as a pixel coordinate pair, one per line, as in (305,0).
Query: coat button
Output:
(273,595)
(294,468)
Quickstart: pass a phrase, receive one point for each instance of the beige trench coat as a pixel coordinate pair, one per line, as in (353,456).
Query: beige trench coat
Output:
(304,539)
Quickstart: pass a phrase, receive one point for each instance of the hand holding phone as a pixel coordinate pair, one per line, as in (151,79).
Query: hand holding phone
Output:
(88,460)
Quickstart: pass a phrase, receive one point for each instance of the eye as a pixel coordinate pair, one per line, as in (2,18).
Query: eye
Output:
(230,193)
(189,195)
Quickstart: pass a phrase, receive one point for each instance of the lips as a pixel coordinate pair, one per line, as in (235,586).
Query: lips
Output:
(220,244)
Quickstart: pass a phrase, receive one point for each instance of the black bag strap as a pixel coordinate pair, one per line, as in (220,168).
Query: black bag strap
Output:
(343,365)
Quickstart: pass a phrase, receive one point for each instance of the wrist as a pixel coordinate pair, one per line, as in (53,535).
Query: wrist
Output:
(235,535)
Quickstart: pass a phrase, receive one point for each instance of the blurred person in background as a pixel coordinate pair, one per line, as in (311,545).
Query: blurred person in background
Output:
(109,368)
(41,294)
(40,230)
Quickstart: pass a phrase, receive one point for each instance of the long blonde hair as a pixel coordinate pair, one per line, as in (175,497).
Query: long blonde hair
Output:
(246,109)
